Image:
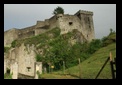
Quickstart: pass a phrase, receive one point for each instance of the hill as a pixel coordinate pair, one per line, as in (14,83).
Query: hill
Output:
(54,49)
(89,67)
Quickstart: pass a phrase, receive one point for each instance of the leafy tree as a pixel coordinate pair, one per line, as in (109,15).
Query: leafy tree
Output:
(111,30)
(58,10)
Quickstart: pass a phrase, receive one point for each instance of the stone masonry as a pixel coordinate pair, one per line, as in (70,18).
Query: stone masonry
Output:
(82,20)
(21,60)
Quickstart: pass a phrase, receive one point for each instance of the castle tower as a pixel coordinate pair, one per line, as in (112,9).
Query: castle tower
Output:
(86,18)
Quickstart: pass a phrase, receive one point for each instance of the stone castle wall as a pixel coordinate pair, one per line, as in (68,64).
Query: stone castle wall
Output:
(26,32)
(22,59)
(86,19)
(69,22)
(14,34)
(26,60)
(82,20)
(9,36)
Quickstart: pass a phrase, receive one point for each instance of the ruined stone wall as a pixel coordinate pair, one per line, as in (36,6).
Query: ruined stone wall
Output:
(9,36)
(40,24)
(21,60)
(13,34)
(26,59)
(26,32)
(10,57)
(44,26)
(86,18)
(68,23)
(14,69)
(41,27)
(38,69)
(5,65)
(82,20)
(53,21)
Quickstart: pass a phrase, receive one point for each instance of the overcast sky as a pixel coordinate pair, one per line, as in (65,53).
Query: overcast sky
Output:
(24,15)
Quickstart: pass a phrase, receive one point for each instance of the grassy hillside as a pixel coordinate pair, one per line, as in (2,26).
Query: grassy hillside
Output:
(89,67)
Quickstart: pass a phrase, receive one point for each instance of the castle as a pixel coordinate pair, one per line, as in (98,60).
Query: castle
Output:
(82,20)
(21,62)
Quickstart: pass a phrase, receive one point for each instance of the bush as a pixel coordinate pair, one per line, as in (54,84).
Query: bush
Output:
(38,58)
(6,49)
(111,38)
(94,46)
(8,76)
(13,44)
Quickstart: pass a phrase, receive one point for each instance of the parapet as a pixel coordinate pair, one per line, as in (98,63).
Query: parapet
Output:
(83,12)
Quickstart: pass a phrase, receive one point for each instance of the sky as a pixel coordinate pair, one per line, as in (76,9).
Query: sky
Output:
(24,15)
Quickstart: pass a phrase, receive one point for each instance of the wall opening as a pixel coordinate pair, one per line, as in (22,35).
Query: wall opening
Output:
(28,69)
(89,26)
(33,32)
(87,36)
(88,19)
(70,23)
(8,71)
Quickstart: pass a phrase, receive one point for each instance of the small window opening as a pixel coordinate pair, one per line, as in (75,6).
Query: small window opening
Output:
(88,19)
(87,36)
(8,71)
(28,68)
(33,32)
(89,26)
(70,23)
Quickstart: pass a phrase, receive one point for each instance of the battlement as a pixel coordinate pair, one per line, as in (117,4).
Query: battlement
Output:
(84,12)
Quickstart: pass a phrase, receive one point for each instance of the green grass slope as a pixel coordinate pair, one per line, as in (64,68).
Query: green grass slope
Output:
(89,67)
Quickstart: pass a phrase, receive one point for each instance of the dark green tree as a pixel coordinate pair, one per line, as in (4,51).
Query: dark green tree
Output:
(58,10)
(111,30)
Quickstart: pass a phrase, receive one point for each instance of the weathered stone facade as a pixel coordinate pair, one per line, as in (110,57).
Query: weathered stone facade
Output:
(21,60)
(82,20)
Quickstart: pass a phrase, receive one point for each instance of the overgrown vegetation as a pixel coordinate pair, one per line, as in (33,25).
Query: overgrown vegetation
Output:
(42,38)
(39,58)
(58,49)
(6,49)
(8,76)
(111,38)
(90,67)
(13,44)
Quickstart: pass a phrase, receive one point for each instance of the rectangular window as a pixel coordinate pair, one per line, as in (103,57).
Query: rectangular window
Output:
(28,69)
(70,23)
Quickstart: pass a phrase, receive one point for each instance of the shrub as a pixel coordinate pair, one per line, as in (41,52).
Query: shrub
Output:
(38,58)
(111,38)
(13,44)
(6,49)
(94,45)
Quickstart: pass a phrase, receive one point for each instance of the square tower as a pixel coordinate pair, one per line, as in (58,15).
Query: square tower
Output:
(86,18)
